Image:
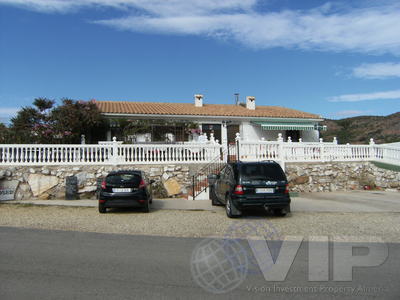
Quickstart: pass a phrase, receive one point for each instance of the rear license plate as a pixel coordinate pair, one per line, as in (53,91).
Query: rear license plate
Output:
(122,190)
(265,190)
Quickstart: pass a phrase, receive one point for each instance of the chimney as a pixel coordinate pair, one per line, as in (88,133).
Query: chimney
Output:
(251,102)
(198,100)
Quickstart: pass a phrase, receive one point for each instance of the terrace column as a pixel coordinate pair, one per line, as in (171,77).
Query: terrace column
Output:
(224,134)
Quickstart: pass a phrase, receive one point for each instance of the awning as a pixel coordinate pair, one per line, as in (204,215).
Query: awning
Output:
(289,126)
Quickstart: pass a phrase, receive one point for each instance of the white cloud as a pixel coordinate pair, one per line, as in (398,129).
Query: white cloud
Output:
(357,30)
(350,113)
(388,95)
(377,71)
(159,7)
(8,111)
(372,29)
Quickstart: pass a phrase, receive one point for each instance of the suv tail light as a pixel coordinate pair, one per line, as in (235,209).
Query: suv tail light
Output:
(238,190)
(142,184)
(103,185)
(287,189)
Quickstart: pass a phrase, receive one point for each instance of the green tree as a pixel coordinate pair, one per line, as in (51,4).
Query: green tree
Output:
(74,118)
(45,123)
(4,134)
(33,124)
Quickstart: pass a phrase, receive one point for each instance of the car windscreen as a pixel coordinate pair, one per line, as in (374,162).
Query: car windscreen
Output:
(123,178)
(261,172)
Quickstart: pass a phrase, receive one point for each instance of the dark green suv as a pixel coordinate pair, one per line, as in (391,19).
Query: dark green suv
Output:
(242,185)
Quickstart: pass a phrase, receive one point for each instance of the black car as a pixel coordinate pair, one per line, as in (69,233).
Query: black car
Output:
(126,188)
(242,185)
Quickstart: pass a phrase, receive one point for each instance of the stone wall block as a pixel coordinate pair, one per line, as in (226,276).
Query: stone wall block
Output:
(41,183)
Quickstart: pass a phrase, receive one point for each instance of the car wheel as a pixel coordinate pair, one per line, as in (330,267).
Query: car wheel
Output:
(214,198)
(146,207)
(230,209)
(102,208)
(281,212)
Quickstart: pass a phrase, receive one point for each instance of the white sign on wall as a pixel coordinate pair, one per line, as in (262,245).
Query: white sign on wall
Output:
(7,189)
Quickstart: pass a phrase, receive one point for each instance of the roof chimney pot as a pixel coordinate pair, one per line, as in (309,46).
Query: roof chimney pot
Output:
(198,100)
(251,102)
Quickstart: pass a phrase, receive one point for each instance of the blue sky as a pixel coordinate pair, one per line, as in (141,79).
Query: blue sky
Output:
(336,59)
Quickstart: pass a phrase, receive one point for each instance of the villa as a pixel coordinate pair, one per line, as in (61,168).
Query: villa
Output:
(139,122)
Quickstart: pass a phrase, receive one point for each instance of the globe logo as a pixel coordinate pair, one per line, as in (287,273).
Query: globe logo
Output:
(219,266)
(262,230)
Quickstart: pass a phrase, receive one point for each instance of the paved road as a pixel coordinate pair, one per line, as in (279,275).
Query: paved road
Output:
(40,264)
(356,201)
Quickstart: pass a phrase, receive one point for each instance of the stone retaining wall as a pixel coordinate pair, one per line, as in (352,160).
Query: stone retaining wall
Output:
(340,176)
(48,182)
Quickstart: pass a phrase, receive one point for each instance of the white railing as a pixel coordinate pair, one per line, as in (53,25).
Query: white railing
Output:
(258,151)
(148,154)
(315,152)
(115,153)
(54,154)
(109,154)
(387,154)
(326,152)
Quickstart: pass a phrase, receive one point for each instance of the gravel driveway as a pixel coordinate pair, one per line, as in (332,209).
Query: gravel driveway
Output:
(200,223)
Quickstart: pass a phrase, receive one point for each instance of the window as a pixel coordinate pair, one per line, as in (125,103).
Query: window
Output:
(262,172)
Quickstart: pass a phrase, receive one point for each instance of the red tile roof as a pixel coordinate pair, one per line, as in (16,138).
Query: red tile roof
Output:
(186,109)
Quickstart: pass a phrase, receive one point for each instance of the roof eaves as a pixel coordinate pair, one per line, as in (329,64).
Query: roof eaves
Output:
(213,117)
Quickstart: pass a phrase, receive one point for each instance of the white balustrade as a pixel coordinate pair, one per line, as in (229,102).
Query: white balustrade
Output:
(387,154)
(114,153)
(110,153)
(316,152)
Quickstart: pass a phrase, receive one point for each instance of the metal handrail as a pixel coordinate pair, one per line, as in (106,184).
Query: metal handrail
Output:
(200,180)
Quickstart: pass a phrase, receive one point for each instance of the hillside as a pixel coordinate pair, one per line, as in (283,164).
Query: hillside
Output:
(358,130)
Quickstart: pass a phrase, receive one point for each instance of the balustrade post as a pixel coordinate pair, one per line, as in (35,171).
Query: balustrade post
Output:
(322,150)
(281,154)
(372,149)
(212,138)
(115,156)
(237,142)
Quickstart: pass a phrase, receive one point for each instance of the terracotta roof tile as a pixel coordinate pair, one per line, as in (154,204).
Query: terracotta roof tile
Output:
(225,110)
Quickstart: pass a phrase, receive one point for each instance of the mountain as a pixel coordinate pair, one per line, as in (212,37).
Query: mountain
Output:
(358,130)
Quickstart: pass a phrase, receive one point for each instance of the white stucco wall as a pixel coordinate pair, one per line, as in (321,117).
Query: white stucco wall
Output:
(310,135)
(249,132)
(252,132)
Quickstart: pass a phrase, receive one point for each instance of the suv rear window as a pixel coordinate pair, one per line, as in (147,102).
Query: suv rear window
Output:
(123,178)
(261,172)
